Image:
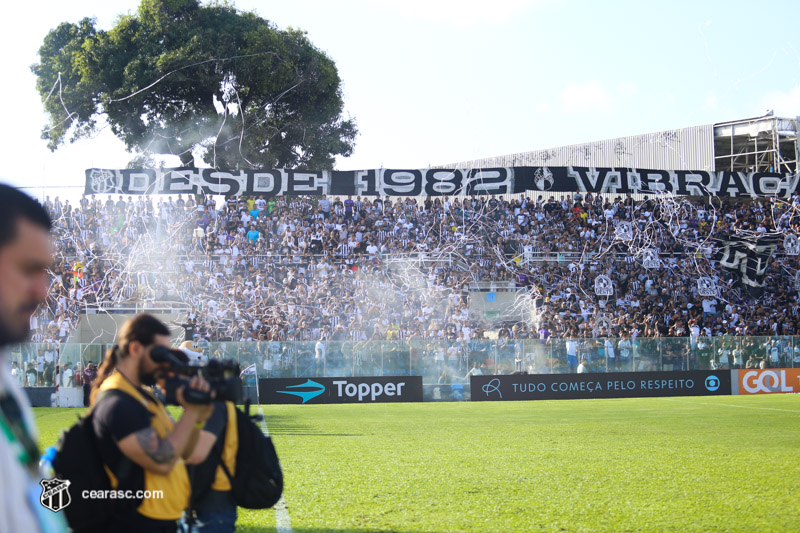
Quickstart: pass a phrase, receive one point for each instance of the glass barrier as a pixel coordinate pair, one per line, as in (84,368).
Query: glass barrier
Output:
(53,364)
(646,354)
(675,353)
(441,362)
(563,356)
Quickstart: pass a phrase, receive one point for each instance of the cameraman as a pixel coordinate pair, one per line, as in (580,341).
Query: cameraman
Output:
(211,489)
(135,426)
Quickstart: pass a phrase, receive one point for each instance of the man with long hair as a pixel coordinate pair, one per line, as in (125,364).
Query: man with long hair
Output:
(137,439)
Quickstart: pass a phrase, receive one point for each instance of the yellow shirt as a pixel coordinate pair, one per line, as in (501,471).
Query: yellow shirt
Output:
(221,481)
(174,487)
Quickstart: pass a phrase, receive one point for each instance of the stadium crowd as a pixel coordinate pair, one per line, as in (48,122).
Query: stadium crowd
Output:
(311,268)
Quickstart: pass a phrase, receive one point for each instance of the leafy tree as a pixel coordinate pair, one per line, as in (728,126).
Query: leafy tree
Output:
(179,78)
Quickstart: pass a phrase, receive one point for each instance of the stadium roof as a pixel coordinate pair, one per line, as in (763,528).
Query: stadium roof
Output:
(765,143)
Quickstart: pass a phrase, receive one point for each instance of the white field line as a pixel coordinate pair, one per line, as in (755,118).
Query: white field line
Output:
(797,412)
(282,521)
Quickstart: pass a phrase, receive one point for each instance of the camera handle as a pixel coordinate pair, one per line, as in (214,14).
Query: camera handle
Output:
(196,396)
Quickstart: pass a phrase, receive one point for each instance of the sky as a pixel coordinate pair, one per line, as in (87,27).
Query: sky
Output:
(432,82)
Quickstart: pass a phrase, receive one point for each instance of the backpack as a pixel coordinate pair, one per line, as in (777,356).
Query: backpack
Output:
(78,461)
(258,482)
(202,475)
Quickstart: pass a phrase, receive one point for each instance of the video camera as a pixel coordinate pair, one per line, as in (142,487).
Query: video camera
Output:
(221,374)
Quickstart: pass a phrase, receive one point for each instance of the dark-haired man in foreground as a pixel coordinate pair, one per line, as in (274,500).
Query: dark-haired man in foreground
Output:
(24,259)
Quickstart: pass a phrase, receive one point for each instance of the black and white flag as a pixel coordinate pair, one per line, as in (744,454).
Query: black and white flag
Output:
(747,259)
(439,182)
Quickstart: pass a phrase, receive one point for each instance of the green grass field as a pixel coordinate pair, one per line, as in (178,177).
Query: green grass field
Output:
(671,464)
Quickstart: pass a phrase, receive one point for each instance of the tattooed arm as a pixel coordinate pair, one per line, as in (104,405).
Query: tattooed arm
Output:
(145,448)
(154,454)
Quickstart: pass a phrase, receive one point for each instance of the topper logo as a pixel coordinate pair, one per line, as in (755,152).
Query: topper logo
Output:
(756,382)
(368,390)
(315,390)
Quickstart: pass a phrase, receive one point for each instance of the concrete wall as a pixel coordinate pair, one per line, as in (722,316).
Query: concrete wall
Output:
(102,328)
(504,307)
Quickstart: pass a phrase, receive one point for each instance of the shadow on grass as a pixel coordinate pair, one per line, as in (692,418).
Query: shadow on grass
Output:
(287,425)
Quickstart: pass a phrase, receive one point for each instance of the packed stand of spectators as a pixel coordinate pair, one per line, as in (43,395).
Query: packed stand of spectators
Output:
(310,268)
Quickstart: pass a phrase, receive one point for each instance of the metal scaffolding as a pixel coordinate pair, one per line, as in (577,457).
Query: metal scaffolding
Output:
(761,144)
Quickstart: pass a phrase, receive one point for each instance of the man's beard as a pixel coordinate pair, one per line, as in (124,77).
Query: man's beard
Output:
(10,335)
(148,379)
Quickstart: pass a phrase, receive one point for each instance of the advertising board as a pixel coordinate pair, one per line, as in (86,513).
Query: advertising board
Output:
(341,390)
(767,381)
(612,385)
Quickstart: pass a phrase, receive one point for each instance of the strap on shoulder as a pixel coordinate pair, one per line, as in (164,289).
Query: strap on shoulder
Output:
(222,448)
(125,465)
